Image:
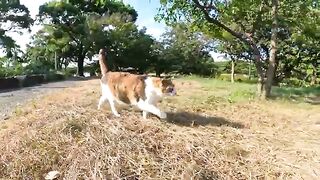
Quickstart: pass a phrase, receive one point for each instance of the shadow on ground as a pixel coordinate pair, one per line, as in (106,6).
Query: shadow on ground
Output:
(193,119)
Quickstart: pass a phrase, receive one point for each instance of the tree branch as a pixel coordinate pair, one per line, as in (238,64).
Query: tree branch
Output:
(246,38)
(240,36)
(211,6)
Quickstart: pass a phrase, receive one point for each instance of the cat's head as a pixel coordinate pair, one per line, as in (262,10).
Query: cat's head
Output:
(165,86)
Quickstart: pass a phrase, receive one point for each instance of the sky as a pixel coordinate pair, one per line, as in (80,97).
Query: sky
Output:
(147,9)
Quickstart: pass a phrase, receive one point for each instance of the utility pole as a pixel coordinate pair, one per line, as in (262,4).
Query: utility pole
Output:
(55,61)
(249,70)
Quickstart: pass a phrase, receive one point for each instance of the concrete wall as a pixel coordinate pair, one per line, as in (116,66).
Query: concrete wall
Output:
(9,83)
(28,80)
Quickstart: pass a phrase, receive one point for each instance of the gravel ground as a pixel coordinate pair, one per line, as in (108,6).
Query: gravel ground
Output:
(10,99)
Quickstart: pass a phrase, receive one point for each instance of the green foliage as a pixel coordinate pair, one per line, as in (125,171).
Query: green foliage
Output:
(10,70)
(69,72)
(299,52)
(241,78)
(127,45)
(17,15)
(82,23)
(298,32)
(38,67)
(241,67)
(45,45)
(91,29)
(184,52)
(53,76)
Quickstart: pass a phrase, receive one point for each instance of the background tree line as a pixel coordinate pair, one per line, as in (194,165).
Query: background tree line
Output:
(280,38)
(75,30)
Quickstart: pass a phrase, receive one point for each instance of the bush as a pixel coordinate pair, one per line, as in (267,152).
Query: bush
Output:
(294,82)
(50,77)
(11,71)
(31,80)
(92,69)
(69,72)
(204,68)
(38,67)
(238,78)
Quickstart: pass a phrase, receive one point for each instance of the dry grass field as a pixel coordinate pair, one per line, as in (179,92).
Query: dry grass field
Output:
(215,130)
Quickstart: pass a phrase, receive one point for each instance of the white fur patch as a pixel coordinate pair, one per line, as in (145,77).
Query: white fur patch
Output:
(107,95)
(150,90)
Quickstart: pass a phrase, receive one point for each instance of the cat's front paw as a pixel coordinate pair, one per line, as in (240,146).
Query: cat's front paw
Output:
(117,115)
(163,115)
(145,115)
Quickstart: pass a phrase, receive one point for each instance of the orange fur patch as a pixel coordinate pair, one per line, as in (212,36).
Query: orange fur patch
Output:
(125,87)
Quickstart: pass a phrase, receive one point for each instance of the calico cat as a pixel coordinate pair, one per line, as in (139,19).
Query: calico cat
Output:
(138,90)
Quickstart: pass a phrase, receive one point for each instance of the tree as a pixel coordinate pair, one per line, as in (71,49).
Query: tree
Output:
(249,22)
(219,18)
(13,17)
(162,58)
(185,52)
(235,51)
(299,45)
(76,18)
(48,45)
(127,46)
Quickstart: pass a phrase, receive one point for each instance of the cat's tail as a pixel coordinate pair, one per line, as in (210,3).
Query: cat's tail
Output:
(103,62)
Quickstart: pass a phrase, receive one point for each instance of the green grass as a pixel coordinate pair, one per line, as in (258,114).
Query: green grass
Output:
(297,94)
(219,89)
(241,91)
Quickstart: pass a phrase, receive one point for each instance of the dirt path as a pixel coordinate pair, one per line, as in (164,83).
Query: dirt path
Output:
(11,99)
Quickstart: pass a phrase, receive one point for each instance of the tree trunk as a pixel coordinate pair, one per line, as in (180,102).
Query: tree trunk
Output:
(80,66)
(66,63)
(273,52)
(314,75)
(158,72)
(261,74)
(232,70)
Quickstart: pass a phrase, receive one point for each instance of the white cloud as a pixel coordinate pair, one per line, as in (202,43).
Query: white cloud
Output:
(155,32)
(33,5)
(218,56)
